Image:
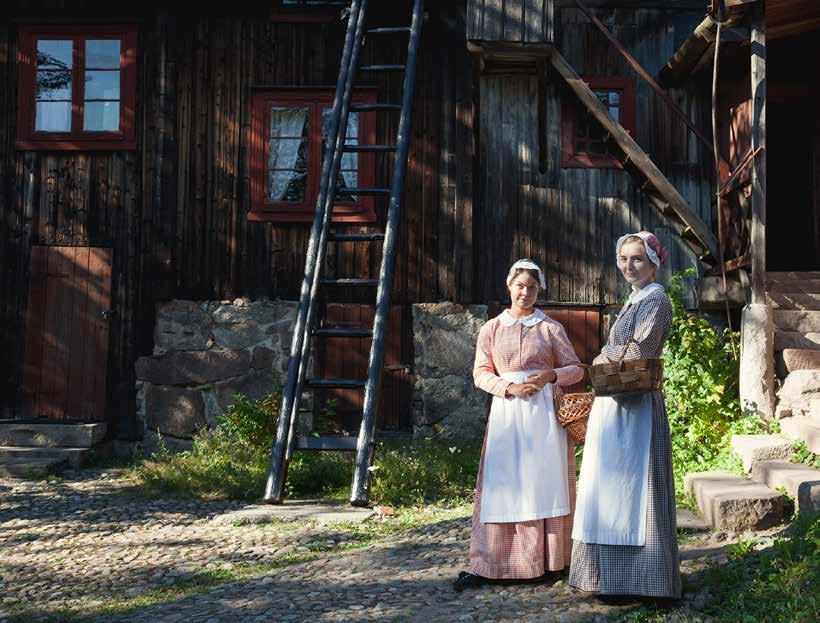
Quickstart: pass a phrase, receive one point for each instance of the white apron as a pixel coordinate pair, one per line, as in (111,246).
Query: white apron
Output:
(525,461)
(612,489)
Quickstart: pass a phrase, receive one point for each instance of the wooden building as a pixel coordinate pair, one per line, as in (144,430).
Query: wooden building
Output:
(153,152)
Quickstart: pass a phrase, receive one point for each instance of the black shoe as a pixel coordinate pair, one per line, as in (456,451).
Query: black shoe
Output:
(468,580)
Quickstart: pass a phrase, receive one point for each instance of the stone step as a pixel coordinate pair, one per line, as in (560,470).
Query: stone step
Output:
(74,457)
(793,300)
(807,285)
(802,428)
(50,435)
(31,469)
(801,482)
(732,503)
(687,520)
(779,276)
(791,359)
(803,321)
(795,339)
(754,448)
(798,389)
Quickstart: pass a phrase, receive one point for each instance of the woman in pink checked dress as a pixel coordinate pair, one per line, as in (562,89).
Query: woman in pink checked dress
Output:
(525,494)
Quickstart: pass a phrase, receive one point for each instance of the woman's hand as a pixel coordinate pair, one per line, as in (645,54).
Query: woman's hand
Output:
(600,359)
(522,390)
(542,378)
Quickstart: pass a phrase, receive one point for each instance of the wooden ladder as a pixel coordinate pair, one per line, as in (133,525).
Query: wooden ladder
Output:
(307,324)
(660,191)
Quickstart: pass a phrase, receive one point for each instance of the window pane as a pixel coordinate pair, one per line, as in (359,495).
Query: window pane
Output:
(102,53)
(615,113)
(104,85)
(347,179)
(288,121)
(287,186)
(101,116)
(287,153)
(52,117)
(53,85)
(54,53)
(352,124)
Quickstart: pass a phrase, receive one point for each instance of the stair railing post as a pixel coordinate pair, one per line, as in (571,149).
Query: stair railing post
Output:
(364,448)
(278,467)
(339,137)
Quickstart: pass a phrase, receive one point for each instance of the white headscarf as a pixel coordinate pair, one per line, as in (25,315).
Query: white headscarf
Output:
(651,244)
(528,265)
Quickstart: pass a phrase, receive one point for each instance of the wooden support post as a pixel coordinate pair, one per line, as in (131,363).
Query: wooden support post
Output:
(758,230)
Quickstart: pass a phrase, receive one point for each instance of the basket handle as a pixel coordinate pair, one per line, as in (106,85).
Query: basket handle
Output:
(623,352)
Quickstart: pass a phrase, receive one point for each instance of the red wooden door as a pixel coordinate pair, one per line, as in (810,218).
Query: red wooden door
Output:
(64,375)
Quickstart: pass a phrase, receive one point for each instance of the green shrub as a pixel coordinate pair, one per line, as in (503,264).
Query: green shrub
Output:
(701,376)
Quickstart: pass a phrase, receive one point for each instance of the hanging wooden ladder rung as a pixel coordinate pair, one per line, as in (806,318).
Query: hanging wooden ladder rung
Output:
(307,325)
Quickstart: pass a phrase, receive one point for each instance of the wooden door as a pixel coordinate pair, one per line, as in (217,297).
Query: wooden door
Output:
(66,356)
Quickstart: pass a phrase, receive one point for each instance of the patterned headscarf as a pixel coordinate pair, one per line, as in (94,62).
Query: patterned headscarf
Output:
(654,249)
(526,265)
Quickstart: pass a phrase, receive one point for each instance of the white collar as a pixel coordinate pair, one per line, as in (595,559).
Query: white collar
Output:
(639,294)
(508,320)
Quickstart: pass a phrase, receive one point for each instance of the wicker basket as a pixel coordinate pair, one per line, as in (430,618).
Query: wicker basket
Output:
(627,377)
(573,414)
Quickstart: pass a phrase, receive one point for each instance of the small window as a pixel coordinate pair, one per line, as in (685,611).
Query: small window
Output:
(583,139)
(77,88)
(291,127)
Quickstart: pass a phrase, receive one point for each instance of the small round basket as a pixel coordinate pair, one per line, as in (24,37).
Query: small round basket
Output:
(573,414)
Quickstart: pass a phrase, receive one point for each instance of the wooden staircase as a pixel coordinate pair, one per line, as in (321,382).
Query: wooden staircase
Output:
(661,192)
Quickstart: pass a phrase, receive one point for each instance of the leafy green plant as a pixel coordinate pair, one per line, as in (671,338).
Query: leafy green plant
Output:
(701,375)
(802,454)
(251,422)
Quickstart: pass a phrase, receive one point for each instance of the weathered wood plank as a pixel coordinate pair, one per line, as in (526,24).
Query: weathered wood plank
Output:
(758,198)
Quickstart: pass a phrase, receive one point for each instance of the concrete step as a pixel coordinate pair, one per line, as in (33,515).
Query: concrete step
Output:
(801,482)
(793,300)
(732,503)
(50,434)
(31,469)
(807,285)
(798,389)
(795,339)
(754,448)
(803,321)
(74,457)
(802,428)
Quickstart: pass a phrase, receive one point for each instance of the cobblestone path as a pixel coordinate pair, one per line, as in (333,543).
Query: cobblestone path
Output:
(77,545)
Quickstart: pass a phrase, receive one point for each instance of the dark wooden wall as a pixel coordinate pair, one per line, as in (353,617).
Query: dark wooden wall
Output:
(569,219)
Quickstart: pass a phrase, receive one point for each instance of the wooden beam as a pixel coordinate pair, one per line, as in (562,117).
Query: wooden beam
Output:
(758,229)
(638,156)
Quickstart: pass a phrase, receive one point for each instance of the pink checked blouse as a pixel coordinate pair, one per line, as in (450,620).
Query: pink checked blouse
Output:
(503,349)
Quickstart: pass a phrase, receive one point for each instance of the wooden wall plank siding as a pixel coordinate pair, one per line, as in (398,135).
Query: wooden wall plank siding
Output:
(520,21)
(173,211)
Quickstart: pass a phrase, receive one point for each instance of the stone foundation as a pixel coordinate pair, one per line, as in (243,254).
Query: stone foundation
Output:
(204,354)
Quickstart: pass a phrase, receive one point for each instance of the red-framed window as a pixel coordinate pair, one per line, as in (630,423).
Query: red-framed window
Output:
(583,139)
(77,87)
(290,127)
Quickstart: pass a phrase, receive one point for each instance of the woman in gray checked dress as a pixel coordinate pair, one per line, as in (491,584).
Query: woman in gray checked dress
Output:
(624,532)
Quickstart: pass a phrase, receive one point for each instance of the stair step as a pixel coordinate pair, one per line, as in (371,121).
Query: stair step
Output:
(793,300)
(732,503)
(40,434)
(795,339)
(388,31)
(73,456)
(335,383)
(326,442)
(796,393)
(802,428)
(754,448)
(687,520)
(349,282)
(801,482)
(370,148)
(786,276)
(806,285)
(357,237)
(803,321)
(31,469)
(374,107)
(342,332)
(800,359)
(381,192)
(382,67)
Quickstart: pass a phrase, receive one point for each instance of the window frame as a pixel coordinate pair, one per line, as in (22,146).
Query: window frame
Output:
(264,210)
(77,139)
(571,108)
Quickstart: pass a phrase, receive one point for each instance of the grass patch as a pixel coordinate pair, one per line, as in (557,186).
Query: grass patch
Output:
(779,584)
